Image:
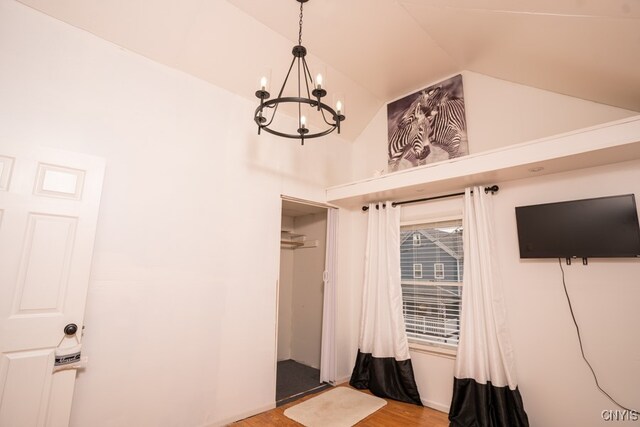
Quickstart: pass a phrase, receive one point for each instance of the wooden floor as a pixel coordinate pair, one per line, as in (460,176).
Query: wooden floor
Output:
(392,414)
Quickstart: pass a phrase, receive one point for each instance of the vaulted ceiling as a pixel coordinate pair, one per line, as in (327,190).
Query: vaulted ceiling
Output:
(374,51)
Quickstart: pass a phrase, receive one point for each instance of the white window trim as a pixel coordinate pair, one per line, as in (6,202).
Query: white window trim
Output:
(427,220)
(435,270)
(434,350)
(417,271)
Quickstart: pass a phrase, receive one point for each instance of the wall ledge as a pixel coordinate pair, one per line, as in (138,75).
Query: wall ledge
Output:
(599,145)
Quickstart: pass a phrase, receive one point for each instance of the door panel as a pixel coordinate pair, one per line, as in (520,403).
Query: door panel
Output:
(26,387)
(49,203)
(6,166)
(44,267)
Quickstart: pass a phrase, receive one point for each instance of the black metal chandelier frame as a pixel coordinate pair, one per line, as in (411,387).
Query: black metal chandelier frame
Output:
(314,98)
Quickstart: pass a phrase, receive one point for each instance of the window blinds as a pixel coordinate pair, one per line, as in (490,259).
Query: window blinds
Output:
(431,261)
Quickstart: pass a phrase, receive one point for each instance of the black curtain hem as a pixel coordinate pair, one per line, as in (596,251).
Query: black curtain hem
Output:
(386,377)
(485,405)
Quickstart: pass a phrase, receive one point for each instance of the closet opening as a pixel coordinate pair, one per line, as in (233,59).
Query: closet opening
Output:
(301,288)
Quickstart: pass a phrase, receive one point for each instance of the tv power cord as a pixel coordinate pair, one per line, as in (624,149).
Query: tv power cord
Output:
(582,349)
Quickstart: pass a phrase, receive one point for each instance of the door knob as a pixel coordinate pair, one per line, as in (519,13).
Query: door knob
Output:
(71,329)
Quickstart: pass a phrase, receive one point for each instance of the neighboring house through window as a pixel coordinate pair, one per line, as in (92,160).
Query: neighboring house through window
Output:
(432,281)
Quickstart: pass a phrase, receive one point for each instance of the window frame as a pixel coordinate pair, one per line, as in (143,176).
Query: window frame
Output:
(438,273)
(417,271)
(435,349)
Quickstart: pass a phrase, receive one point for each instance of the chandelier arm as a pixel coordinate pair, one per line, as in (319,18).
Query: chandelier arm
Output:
(334,114)
(261,108)
(287,77)
(273,116)
(307,73)
(325,118)
(299,104)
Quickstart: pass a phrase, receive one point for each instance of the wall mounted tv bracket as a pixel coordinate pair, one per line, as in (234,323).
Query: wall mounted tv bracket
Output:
(584,260)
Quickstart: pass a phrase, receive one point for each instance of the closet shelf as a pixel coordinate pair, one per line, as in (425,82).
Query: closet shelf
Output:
(291,243)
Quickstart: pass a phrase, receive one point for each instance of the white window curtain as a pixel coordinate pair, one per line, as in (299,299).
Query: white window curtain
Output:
(485,387)
(383,364)
(328,358)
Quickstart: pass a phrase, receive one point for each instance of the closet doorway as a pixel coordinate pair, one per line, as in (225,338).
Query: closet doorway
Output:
(300,300)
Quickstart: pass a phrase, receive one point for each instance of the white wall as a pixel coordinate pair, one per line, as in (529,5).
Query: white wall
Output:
(180,317)
(556,385)
(499,113)
(308,267)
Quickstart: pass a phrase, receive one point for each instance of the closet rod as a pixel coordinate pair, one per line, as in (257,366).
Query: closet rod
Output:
(493,189)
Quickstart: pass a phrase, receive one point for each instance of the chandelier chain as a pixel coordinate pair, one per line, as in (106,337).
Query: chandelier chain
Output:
(300,31)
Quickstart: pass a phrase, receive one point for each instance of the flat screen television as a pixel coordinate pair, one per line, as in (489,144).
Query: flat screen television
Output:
(591,228)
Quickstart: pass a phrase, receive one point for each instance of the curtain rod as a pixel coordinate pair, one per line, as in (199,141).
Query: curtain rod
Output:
(493,189)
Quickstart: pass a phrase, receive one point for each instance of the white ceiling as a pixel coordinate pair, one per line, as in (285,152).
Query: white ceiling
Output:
(374,51)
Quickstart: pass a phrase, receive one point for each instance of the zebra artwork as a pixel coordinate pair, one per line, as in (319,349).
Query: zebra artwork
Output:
(427,126)
(408,136)
(448,127)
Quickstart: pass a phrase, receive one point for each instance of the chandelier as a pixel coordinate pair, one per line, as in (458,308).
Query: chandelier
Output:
(266,111)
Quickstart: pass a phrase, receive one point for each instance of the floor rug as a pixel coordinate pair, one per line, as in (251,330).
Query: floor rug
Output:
(340,407)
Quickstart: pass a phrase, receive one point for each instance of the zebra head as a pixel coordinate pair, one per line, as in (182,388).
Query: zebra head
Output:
(429,100)
(420,143)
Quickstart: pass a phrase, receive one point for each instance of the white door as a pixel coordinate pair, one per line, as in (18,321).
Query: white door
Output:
(49,203)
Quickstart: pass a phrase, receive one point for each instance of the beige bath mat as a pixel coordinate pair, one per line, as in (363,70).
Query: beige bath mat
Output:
(340,407)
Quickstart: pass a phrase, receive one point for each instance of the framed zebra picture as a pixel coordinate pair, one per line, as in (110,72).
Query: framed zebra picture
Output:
(427,126)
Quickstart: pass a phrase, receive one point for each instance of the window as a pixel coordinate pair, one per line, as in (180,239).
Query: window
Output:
(417,271)
(431,299)
(438,270)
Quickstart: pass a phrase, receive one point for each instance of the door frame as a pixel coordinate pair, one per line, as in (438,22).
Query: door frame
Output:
(321,205)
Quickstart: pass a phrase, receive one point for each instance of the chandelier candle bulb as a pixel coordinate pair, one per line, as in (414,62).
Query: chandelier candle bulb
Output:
(303,122)
(319,81)
(339,107)
(263,83)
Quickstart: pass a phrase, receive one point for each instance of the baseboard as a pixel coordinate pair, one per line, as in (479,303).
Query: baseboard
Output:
(342,381)
(428,403)
(241,416)
(435,405)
